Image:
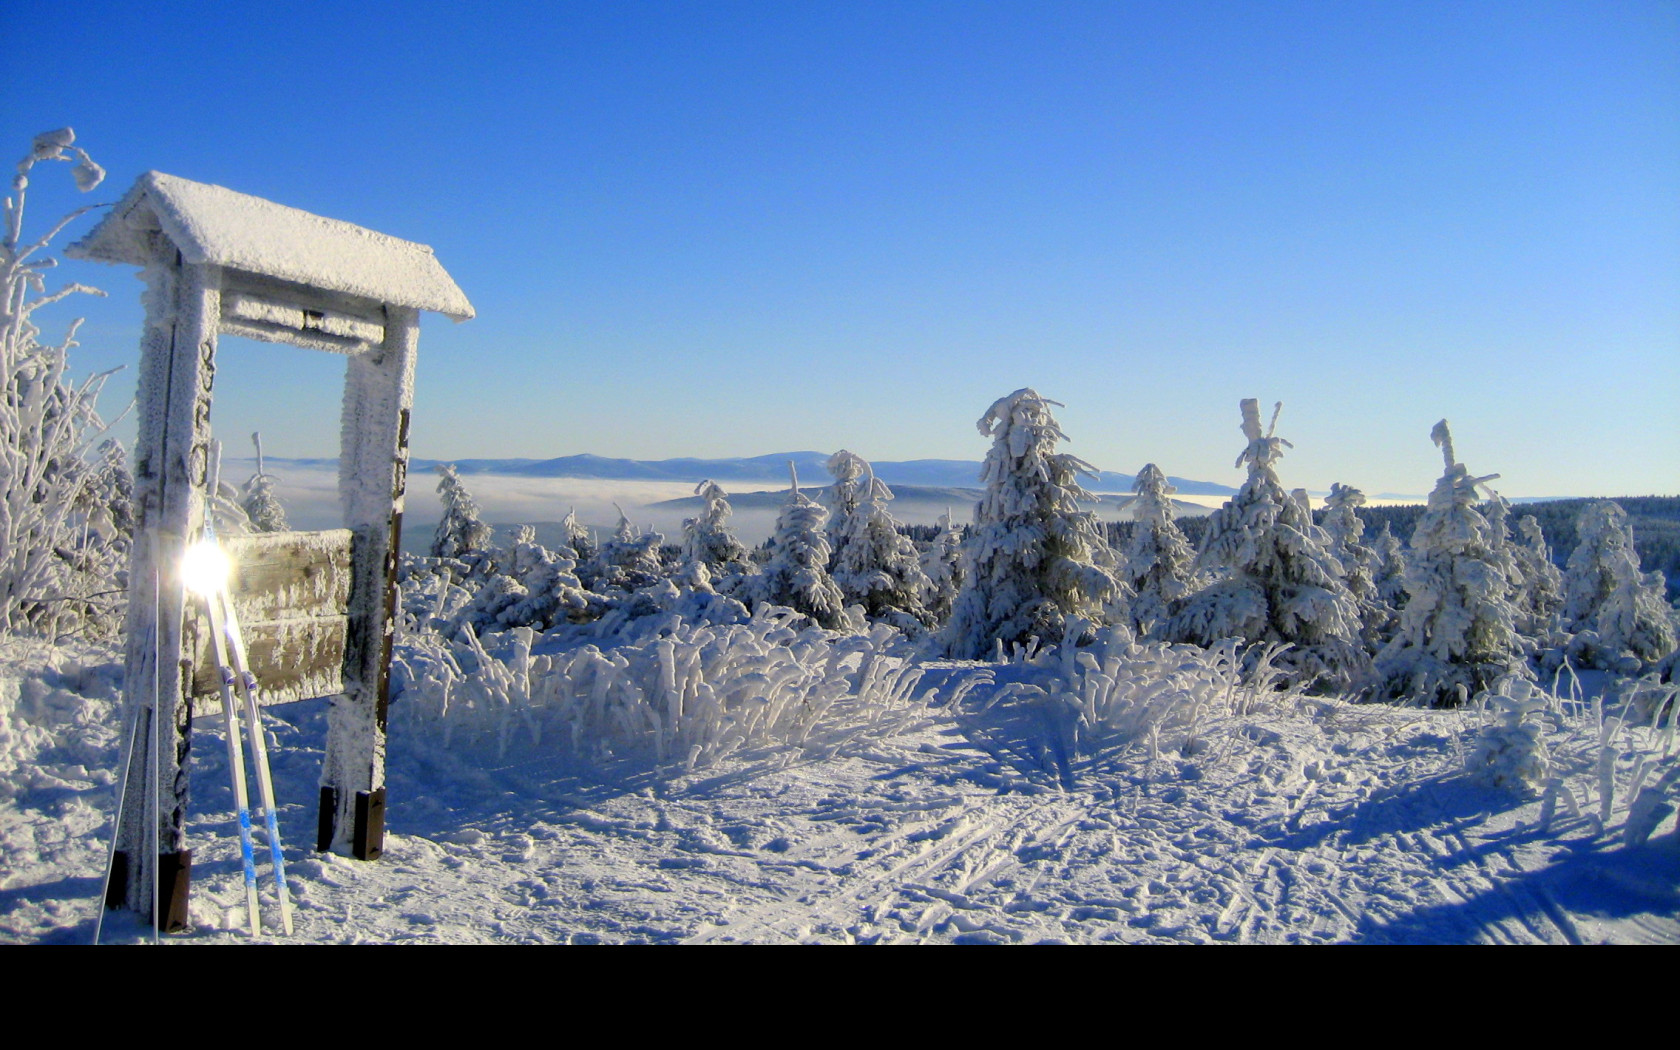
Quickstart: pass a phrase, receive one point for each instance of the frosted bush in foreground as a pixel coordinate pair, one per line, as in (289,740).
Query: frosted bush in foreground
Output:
(686,693)
(46,421)
(1510,749)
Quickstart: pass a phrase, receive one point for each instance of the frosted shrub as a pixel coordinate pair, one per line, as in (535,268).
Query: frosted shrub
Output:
(1033,561)
(1510,750)
(628,562)
(261,505)
(1274,581)
(687,693)
(46,421)
(1125,691)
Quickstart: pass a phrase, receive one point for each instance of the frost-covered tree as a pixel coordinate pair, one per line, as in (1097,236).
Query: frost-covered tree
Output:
(1540,599)
(1273,578)
(1159,564)
(46,421)
(536,588)
(876,565)
(942,566)
(577,537)
(1388,578)
(797,573)
(629,561)
(261,505)
(844,499)
(1034,561)
(1457,633)
(1345,531)
(1617,611)
(708,540)
(460,531)
(95,555)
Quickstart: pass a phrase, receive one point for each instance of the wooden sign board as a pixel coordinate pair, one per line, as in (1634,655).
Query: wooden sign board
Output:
(291,591)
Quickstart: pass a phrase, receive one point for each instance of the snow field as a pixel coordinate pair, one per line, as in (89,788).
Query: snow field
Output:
(1076,800)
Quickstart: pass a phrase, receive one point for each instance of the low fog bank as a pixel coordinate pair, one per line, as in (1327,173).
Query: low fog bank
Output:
(309,492)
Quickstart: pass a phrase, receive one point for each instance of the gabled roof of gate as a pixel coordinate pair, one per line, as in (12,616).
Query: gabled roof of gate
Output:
(221,227)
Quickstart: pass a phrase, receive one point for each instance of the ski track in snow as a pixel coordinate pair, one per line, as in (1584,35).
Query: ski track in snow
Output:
(1312,822)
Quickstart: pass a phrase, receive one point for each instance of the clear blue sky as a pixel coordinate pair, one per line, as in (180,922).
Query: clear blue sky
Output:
(730,229)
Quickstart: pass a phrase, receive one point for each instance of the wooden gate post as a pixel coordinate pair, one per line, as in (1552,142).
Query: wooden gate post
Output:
(372,479)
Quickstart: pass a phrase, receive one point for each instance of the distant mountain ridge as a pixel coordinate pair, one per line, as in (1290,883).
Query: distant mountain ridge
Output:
(772,471)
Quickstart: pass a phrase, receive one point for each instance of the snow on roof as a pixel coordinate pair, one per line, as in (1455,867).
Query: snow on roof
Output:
(216,225)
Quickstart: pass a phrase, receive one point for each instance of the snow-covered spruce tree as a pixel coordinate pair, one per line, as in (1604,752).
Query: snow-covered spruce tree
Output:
(1034,561)
(845,498)
(1389,577)
(1159,564)
(537,588)
(460,532)
(577,537)
(1617,611)
(942,566)
(797,573)
(1457,633)
(708,540)
(261,505)
(1273,578)
(627,562)
(876,565)
(1346,530)
(1540,600)
(46,421)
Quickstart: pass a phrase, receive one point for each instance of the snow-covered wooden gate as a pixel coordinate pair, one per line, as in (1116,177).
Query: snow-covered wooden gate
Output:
(218,261)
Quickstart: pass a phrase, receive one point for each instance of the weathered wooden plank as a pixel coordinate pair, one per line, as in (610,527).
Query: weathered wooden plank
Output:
(278,575)
(291,592)
(293,659)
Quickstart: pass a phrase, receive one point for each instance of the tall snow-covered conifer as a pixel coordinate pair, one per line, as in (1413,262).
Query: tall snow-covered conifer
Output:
(1034,560)
(1274,581)
(1457,633)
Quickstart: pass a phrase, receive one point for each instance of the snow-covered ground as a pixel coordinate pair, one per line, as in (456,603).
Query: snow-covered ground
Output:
(1215,815)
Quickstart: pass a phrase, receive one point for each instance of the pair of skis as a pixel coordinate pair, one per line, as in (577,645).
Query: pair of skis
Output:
(234,668)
